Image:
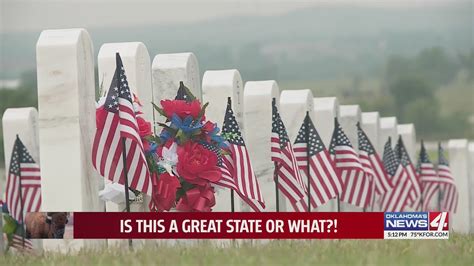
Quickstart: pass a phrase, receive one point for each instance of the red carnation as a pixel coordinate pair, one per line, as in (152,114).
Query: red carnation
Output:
(181,108)
(207,128)
(144,127)
(197,165)
(164,191)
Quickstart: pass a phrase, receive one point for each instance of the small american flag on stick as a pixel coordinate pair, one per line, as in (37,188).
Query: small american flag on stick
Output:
(21,244)
(397,198)
(237,171)
(449,192)
(23,189)
(415,188)
(356,187)
(372,164)
(289,180)
(325,184)
(119,126)
(429,179)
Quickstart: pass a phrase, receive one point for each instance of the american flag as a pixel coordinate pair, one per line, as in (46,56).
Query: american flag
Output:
(184,93)
(237,171)
(372,164)
(290,182)
(415,188)
(397,198)
(120,123)
(429,179)
(449,198)
(324,182)
(21,244)
(356,187)
(24,173)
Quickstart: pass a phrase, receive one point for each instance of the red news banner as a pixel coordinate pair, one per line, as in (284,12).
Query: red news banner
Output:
(226,225)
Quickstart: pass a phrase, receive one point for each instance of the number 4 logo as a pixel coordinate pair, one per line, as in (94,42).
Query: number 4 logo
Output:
(439,221)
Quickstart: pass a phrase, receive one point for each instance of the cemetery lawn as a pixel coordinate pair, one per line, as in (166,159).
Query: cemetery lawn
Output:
(459,250)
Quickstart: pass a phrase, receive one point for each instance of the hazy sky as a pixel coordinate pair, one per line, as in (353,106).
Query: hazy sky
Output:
(32,15)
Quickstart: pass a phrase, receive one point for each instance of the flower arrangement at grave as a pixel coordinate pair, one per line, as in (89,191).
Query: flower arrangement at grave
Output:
(184,157)
(183,160)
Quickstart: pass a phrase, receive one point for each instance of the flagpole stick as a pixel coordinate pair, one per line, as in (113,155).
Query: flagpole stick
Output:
(439,197)
(307,160)
(439,187)
(125,173)
(373,197)
(338,200)
(277,192)
(338,204)
(232,204)
(421,200)
(21,196)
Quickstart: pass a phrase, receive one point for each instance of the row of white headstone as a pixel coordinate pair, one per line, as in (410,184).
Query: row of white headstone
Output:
(60,135)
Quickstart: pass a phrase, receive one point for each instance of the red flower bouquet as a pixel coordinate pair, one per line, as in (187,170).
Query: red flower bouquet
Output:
(184,158)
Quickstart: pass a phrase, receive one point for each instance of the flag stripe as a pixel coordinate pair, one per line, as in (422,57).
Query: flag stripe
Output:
(120,123)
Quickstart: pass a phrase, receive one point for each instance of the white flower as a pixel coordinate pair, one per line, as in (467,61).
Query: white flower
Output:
(170,155)
(169,158)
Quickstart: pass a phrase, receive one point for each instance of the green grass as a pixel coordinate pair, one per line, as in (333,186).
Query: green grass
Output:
(459,250)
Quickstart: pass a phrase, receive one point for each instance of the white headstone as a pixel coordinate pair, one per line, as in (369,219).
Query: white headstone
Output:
(217,86)
(388,128)
(24,123)
(471,182)
(350,115)
(458,160)
(408,134)
(370,123)
(325,110)
(167,72)
(258,128)
(136,62)
(293,107)
(169,69)
(66,96)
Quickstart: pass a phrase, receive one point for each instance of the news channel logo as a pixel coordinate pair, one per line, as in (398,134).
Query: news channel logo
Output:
(416,225)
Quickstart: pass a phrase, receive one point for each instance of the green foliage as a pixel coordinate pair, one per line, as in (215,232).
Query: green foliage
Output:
(25,96)
(467,61)
(202,112)
(10,225)
(458,250)
(407,89)
(423,92)
(159,109)
(433,65)
(424,113)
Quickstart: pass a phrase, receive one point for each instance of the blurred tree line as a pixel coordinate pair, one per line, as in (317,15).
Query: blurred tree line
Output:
(26,95)
(433,89)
